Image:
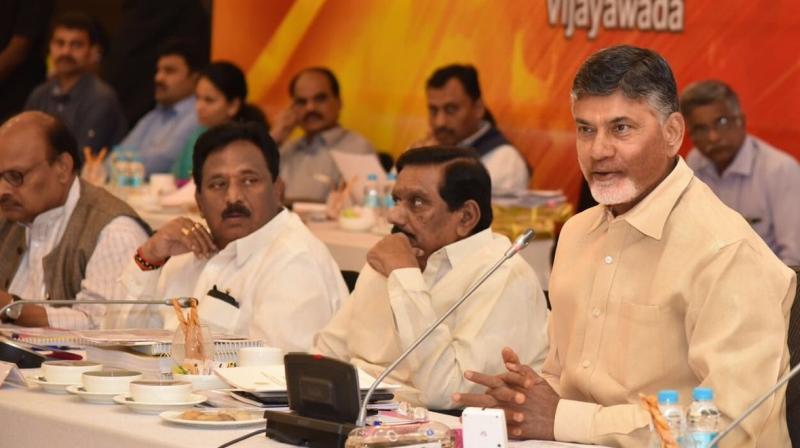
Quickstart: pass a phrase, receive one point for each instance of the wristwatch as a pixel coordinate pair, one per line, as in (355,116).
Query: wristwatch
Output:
(13,313)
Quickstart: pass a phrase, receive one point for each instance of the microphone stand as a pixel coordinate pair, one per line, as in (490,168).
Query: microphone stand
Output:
(755,405)
(520,243)
(183,302)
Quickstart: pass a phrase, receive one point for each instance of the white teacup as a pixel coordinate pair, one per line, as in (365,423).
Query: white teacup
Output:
(161,184)
(67,372)
(160,391)
(109,381)
(259,356)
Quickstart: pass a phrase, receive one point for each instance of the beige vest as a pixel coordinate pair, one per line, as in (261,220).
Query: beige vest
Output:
(65,266)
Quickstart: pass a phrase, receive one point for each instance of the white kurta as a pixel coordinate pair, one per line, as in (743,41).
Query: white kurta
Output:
(285,281)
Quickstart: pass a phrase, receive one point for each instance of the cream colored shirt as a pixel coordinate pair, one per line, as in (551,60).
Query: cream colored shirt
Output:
(678,292)
(286,282)
(385,315)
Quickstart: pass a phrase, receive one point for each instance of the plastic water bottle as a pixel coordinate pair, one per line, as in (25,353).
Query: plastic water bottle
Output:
(136,167)
(372,198)
(671,409)
(703,417)
(669,405)
(388,200)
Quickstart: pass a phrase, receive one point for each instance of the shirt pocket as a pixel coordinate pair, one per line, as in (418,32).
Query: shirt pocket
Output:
(637,352)
(220,316)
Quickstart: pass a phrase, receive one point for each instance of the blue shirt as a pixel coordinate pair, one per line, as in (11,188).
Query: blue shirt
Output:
(159,136)
(762,184)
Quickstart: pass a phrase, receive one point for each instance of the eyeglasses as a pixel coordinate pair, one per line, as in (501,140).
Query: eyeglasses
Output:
(15,178)
(721,124)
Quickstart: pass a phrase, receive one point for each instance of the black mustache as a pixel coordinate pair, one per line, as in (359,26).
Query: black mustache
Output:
(396,229)
(443,130)
(160,85)
(6,201)
(316,115)
(67,59)
(235,209)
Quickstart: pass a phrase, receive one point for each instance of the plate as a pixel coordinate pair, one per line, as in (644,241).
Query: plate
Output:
(53,388)
(91,397)
(155,408)
(174,417)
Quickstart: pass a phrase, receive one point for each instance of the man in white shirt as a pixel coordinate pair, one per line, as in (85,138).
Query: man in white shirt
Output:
(458,116)
(748,174)
(442,245)
(60,238)
(257,271)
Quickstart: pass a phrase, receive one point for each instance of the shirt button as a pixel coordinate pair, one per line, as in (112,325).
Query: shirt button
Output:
(609,259)
(586,363)
(596,312)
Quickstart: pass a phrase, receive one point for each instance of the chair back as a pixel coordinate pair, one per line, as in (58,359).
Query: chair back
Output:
(793,390)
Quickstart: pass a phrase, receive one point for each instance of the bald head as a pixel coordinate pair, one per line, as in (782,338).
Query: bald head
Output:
(38,164)
(39,125)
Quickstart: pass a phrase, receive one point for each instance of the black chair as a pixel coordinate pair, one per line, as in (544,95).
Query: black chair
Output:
(793,390)
(350,278)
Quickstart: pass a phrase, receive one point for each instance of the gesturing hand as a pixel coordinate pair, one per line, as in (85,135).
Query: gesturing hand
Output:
(176,237)
(393,252)
(527,399)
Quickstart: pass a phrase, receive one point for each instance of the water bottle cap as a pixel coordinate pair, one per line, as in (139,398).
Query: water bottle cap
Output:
(372,177)
(668,396)
(702,394)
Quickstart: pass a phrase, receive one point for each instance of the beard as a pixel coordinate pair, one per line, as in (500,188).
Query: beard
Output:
(617,192)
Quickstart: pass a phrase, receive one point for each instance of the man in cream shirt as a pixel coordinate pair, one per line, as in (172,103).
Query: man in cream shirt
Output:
(258,271)
(661,286)
(443,244)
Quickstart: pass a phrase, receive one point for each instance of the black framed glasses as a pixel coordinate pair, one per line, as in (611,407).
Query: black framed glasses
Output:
(15,178)
(721,124)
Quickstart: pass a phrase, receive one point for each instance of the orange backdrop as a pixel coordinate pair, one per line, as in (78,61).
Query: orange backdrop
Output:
(383,51)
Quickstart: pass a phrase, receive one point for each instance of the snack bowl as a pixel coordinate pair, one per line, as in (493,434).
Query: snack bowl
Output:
(356,219)
(109,381)
(160,391)
(67,372)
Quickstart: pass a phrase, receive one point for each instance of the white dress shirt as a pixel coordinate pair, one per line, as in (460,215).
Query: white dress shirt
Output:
(385,315)
(285,281)
(115,244)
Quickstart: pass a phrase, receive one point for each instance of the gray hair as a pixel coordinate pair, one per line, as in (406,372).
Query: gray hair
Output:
(638,73)
(703,93)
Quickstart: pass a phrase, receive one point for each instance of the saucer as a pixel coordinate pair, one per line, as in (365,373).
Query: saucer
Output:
(174,417)
(155,408)
(53,388)
(91,397)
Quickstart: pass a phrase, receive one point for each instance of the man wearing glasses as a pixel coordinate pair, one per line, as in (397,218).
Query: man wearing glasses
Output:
(747,174)
(60,238)
(307,167)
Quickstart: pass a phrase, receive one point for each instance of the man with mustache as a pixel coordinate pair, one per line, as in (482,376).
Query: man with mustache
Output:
(159,136)
(60,238)
(443,243)
(256,270)
(750,176)
(307,166)
(661,286)
(87,105)
(458,117)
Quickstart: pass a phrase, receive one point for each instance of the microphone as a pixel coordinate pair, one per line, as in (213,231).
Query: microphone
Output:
(734,424)
(520,243)
(183,302)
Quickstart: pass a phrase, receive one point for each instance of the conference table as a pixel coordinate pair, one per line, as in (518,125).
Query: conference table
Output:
(349,248)
(34,418)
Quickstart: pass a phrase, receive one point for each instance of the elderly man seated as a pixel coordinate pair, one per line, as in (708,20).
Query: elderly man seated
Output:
(442,244)
(60,238)
(661,286)
(257,271)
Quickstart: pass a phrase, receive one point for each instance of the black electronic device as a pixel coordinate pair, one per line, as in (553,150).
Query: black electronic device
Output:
(324,397)
(19,354)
